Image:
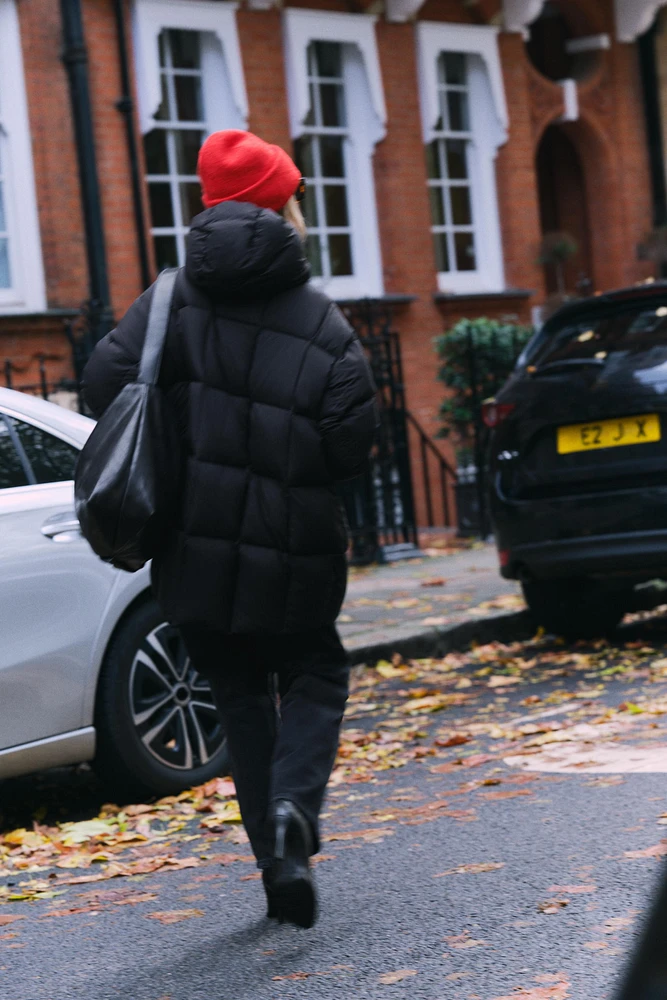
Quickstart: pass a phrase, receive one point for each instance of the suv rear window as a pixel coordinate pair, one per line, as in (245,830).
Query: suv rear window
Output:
(630,328)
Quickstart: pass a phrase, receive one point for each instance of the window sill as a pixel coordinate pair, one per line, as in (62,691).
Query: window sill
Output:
(505,293)
(385,300)
(10,312)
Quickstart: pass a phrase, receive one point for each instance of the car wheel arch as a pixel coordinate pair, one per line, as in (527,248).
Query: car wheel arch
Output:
(110,626)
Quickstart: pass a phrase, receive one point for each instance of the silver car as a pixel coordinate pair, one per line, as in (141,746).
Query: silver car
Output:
(89,670)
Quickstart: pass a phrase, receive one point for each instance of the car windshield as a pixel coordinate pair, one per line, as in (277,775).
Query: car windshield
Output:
(631,329)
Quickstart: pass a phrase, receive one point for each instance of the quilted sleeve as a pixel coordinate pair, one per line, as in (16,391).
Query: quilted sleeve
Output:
(349,418)
(115,361)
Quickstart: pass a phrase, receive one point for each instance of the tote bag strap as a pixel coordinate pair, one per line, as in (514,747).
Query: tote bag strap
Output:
(158,321)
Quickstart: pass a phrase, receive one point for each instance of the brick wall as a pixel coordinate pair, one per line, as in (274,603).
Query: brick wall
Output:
(609,139)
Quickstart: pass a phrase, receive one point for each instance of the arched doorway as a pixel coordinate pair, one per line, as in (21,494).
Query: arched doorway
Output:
(563,210)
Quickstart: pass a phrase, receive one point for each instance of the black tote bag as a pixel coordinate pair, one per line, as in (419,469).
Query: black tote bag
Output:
(128,477)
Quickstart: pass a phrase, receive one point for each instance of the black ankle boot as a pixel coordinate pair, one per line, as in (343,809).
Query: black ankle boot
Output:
(292,884)
(267,880)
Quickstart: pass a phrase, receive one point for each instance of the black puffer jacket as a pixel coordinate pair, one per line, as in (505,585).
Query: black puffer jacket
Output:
(275,402)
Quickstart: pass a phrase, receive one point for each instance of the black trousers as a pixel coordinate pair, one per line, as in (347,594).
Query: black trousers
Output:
(280,747)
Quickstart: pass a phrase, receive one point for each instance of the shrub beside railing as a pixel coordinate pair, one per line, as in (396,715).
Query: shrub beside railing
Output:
(477,357)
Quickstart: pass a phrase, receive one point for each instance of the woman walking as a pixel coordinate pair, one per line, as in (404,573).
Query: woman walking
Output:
(275,403)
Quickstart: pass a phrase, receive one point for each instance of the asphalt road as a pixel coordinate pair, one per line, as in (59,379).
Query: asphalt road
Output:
(547,911)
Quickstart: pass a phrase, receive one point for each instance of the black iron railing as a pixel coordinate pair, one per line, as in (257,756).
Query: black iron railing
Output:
(435,476)
(380,503)
(44,387)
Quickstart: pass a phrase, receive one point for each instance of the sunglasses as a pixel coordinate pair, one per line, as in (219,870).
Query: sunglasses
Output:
(300,192)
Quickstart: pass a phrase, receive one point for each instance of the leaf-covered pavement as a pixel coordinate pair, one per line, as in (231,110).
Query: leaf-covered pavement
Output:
(444,768)
(438,590)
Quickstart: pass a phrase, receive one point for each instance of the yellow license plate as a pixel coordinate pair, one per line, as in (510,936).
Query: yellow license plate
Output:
(609,433)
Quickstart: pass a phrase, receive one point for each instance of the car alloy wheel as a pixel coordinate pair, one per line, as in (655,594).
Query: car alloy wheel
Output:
(171,705)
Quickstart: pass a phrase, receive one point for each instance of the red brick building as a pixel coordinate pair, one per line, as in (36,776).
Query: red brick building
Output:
(441,140)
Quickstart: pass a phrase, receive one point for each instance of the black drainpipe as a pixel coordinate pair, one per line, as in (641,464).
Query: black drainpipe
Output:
(75,58)
(125,105)
(650,86)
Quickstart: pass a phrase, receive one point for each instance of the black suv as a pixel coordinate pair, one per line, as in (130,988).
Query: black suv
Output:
(577,461)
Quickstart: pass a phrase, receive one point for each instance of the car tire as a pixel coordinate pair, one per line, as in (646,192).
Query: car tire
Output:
(573,608)
(158,731)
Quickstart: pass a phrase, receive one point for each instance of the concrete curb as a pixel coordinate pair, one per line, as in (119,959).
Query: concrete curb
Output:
(421,643)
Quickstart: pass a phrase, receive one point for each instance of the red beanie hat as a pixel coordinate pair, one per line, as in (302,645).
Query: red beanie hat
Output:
(239,166)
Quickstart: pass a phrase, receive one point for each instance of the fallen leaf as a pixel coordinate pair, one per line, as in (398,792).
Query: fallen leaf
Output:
(572,889)
(463,941)
(457,740)
(557,991)
(174,916)
(138,897)
(292,975)
(503,680)
(552,905)
(657,851)
(395,977)
(596,945)
(475,760)
(10,918)
(368,835)
(224,787)
(25,838)
(229,859)
(473,869)
(510,794)
(431,703)
(389,670)
(92,829)
(70,911)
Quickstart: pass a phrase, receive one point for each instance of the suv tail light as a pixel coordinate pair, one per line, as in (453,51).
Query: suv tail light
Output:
(494,413)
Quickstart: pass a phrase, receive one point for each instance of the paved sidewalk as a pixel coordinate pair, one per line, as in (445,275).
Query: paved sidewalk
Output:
(385,604)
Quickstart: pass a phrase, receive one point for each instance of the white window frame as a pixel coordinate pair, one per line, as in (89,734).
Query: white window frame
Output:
(488,131)
(225,98)
(28,291)
(367,119)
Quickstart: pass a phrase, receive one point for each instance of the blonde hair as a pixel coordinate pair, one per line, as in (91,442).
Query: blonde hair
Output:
(292,213)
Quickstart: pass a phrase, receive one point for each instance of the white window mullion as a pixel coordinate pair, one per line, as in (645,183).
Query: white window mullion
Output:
(348,236)
(321,216)
(175,200)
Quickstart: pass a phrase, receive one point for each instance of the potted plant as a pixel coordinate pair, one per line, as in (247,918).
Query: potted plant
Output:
(555,249)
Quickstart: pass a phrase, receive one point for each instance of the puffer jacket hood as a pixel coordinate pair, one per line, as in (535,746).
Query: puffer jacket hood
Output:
(239,251)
